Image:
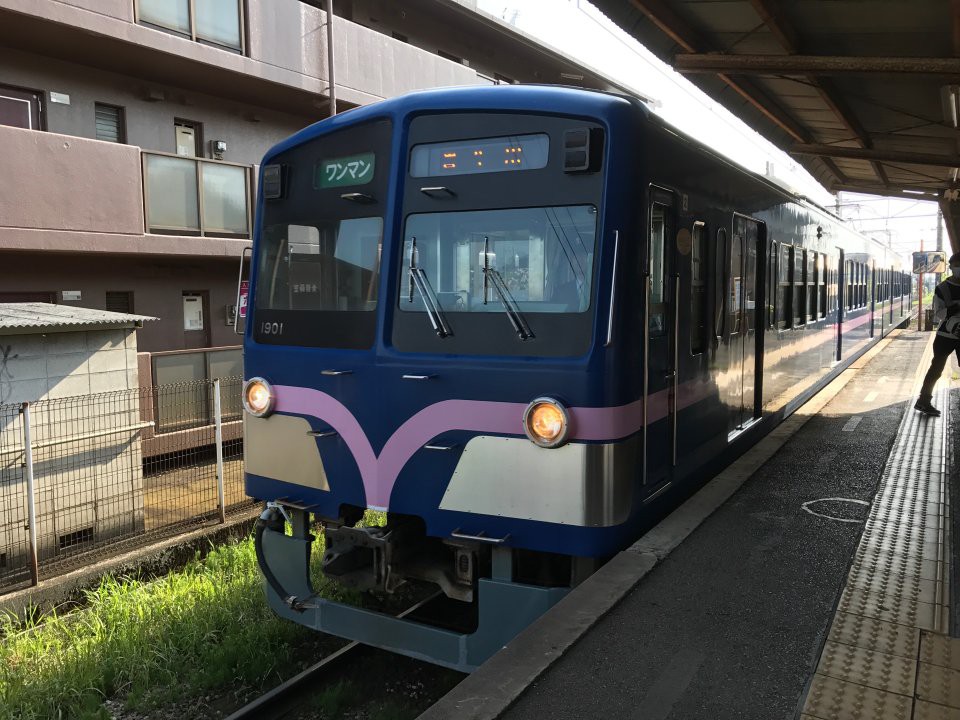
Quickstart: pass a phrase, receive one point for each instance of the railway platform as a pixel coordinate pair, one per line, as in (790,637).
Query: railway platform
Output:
(811,579)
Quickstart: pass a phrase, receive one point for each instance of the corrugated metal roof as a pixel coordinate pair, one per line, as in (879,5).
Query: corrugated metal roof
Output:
(34,315)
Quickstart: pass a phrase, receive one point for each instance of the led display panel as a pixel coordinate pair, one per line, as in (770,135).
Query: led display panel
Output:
(486,155)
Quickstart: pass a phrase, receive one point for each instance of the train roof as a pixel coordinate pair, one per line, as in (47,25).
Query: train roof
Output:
(524,98)
(530,98)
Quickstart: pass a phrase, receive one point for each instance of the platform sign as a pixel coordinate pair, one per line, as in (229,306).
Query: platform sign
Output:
(244,294)
(933,261)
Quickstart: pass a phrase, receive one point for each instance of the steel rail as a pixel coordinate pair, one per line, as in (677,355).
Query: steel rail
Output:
(333,665)
(279,696)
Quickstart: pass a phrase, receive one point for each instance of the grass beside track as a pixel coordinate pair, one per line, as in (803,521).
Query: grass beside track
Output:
(150,644)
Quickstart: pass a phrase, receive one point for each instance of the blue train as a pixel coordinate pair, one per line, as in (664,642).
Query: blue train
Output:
(519,320)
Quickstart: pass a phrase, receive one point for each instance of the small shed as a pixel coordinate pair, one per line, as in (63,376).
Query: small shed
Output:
(77,370)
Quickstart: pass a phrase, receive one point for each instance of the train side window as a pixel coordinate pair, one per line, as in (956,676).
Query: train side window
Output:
(861,284)
(833,288)
(735,287)
(856,285)
(811,286)
(829,277)
(858,274)
(784,296)
(798,268)
(698,289)
(822,288)
(771,287)
(658,229)
(848,284)
(720,284)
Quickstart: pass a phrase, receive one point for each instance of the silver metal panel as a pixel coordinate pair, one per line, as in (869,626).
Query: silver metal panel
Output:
(280,447)
(577,484)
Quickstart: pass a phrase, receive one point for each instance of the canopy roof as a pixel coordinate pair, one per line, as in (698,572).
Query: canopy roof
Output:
(865,93)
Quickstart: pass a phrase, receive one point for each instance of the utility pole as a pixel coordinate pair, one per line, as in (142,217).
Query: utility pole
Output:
(330,74)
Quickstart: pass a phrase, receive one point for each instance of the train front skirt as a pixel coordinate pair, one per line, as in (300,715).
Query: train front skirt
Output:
(505,607)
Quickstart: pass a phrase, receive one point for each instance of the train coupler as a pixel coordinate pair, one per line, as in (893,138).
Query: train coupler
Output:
(366,558)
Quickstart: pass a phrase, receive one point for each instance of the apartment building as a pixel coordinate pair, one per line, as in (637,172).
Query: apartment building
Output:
(130,131)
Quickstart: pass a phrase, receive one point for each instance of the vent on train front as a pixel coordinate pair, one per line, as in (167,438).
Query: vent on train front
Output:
(582,150)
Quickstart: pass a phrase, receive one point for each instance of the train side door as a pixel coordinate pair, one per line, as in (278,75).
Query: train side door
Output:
(744,315)
(660,341)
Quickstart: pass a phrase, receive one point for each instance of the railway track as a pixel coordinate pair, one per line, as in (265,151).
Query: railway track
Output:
(289,696)
(294,698)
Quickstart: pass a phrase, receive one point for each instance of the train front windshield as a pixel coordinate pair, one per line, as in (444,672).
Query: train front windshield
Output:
(494,280)
(537,260)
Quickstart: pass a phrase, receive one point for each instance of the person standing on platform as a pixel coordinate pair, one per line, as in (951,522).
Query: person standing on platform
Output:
(946,315)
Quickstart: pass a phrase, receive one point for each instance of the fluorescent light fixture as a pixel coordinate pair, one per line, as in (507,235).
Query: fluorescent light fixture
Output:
(574,76)
(916,192)
(950,99)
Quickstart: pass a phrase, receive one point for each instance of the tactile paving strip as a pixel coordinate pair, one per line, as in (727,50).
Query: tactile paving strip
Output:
(880,660)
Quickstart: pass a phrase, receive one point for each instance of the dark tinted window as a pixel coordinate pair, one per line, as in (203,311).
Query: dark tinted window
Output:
(318,254)
(698,289)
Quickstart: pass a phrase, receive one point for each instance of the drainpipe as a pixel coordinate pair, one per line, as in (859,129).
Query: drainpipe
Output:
(330,73)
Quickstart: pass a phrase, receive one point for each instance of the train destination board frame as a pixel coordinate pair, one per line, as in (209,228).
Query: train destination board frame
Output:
(485,155)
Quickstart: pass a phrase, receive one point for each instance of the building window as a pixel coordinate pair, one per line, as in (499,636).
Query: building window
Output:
(21,108)
(110,123)
(120,301)
(212,22)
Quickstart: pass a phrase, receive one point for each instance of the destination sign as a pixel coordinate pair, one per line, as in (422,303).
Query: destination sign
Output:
(486,155)
(344,172)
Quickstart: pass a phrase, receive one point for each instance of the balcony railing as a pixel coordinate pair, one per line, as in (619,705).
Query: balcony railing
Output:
(193,196)
(213,22)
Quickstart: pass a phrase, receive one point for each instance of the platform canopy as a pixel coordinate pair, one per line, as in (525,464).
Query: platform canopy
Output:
(864,93)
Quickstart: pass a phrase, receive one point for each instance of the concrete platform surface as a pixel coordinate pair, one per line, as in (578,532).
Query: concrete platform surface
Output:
(733,622)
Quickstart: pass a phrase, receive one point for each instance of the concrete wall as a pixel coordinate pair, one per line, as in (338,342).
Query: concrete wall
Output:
(63,364)
(157,285)
(58,182)
(87,485)
(248,130)
(374,63)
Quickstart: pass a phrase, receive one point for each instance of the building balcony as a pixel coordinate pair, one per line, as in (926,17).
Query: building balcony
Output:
(268,53)
(193,196)
(60,193)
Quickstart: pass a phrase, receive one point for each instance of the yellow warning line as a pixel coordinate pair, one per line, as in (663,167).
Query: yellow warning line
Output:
(886,655)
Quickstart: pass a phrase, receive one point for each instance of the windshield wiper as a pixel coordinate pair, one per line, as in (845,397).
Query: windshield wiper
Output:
(419,279)
(492,277)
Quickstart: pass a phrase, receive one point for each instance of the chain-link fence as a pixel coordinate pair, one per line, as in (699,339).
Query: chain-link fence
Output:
(115,470)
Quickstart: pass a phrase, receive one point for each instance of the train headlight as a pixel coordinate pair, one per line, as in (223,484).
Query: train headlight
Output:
(258,397)
(546,422)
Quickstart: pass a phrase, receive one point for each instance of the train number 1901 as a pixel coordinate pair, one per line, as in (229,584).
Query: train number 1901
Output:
(271,328)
